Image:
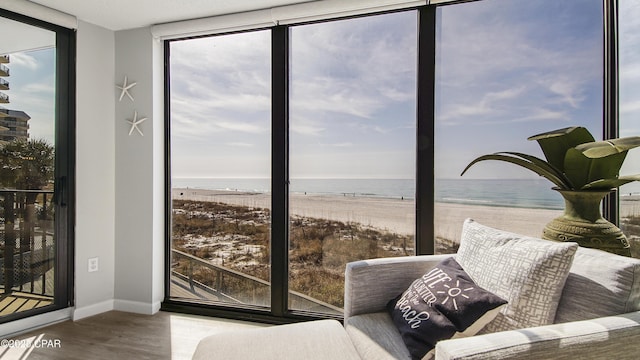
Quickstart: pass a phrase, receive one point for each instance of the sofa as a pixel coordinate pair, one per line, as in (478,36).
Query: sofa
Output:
(597,317)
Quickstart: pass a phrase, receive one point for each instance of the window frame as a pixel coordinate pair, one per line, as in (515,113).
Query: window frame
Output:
(64,177)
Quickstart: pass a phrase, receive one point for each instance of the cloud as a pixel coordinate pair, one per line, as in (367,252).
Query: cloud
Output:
(495,66)
(491,103)
(338,145)
(240,144)
(24,60)
(221,85)
(371,68)
(239,126)
(308,129)
(543,115)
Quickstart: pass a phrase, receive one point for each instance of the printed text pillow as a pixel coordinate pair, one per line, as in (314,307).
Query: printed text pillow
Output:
(442,304)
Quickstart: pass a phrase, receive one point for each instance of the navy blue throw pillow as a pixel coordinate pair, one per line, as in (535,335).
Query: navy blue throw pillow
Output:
(442,304)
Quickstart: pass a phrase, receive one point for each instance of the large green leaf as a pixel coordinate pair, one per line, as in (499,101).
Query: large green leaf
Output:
(554,144)
(598,149)
(556,173)
(582,170)
(540,170)
(611,183)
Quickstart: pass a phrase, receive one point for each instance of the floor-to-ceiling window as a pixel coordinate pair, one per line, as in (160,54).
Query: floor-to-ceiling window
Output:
(36,173)
(351,150)
(344,109)
(220,169)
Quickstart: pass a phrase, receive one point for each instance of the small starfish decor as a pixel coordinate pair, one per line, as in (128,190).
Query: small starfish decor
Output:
(125,89)
(135,122)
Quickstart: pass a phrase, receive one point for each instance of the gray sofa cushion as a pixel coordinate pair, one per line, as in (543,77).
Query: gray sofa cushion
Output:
(614,337)
(317,340)
(376,337)
(599,284)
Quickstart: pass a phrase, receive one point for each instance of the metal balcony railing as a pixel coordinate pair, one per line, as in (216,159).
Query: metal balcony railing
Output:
(4,84)
(4,71)
(226,285)
(4,59)
(4,98)
(27,241)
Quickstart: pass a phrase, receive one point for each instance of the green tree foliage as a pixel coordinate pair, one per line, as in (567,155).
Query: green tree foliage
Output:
(26,164)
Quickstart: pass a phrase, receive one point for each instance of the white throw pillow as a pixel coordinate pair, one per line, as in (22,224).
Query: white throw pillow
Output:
(527,272)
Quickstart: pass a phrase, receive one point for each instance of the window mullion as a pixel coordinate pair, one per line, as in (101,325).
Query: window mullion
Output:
(425,132)
(610,92)
(279,170)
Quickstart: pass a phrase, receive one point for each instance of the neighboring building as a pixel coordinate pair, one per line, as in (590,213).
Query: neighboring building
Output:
(4,84)
(13,123)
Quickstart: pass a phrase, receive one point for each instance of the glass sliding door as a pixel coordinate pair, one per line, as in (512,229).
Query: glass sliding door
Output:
(507,70)
(629,125)
(35,175)
(351,151)
(220,169)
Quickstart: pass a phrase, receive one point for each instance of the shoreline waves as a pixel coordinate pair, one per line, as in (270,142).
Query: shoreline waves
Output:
(397,215)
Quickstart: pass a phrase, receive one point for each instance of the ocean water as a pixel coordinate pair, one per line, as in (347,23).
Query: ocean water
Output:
(521,193)
(534,193)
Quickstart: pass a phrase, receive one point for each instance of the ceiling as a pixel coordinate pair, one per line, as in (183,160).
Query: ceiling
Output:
(128,14)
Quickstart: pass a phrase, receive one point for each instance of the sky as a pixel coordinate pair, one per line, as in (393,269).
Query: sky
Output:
(32,87)
(505,70)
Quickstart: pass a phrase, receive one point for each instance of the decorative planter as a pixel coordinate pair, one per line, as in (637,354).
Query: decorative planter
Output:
(582,222)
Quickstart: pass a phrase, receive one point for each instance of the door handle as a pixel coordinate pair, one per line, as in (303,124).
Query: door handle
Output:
(60,192)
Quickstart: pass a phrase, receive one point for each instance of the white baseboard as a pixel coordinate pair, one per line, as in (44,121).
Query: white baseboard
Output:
(137,307)
(21,326)
(91,310)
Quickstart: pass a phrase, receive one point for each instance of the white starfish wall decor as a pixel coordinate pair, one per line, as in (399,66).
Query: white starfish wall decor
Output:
(135,122)
(125,89)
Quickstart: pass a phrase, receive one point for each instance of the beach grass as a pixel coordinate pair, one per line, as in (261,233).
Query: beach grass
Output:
(237,237)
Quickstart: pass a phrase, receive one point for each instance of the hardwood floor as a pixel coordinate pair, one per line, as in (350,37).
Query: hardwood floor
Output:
(119,335)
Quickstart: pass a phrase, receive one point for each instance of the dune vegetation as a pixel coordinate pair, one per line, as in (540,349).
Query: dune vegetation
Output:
(237,237)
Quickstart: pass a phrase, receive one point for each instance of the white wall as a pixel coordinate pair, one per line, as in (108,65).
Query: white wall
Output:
(95,169)
(139,213)
(120,207)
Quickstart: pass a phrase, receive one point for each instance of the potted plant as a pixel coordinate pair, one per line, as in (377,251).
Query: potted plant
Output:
(583,171)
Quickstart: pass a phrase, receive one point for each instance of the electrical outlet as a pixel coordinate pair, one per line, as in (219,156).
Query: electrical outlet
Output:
(93,264)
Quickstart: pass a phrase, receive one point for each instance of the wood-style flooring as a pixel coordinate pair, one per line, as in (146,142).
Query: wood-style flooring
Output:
(122,336)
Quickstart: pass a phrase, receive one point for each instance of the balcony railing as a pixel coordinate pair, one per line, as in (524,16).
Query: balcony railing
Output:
(4,59)
(210,282)
(4,71)
(27,242)
(4,84)
(4,98)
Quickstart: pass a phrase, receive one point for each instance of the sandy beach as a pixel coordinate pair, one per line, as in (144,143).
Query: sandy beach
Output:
(398,215)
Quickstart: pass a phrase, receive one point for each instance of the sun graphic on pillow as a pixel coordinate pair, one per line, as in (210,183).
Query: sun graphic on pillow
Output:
(454,292)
